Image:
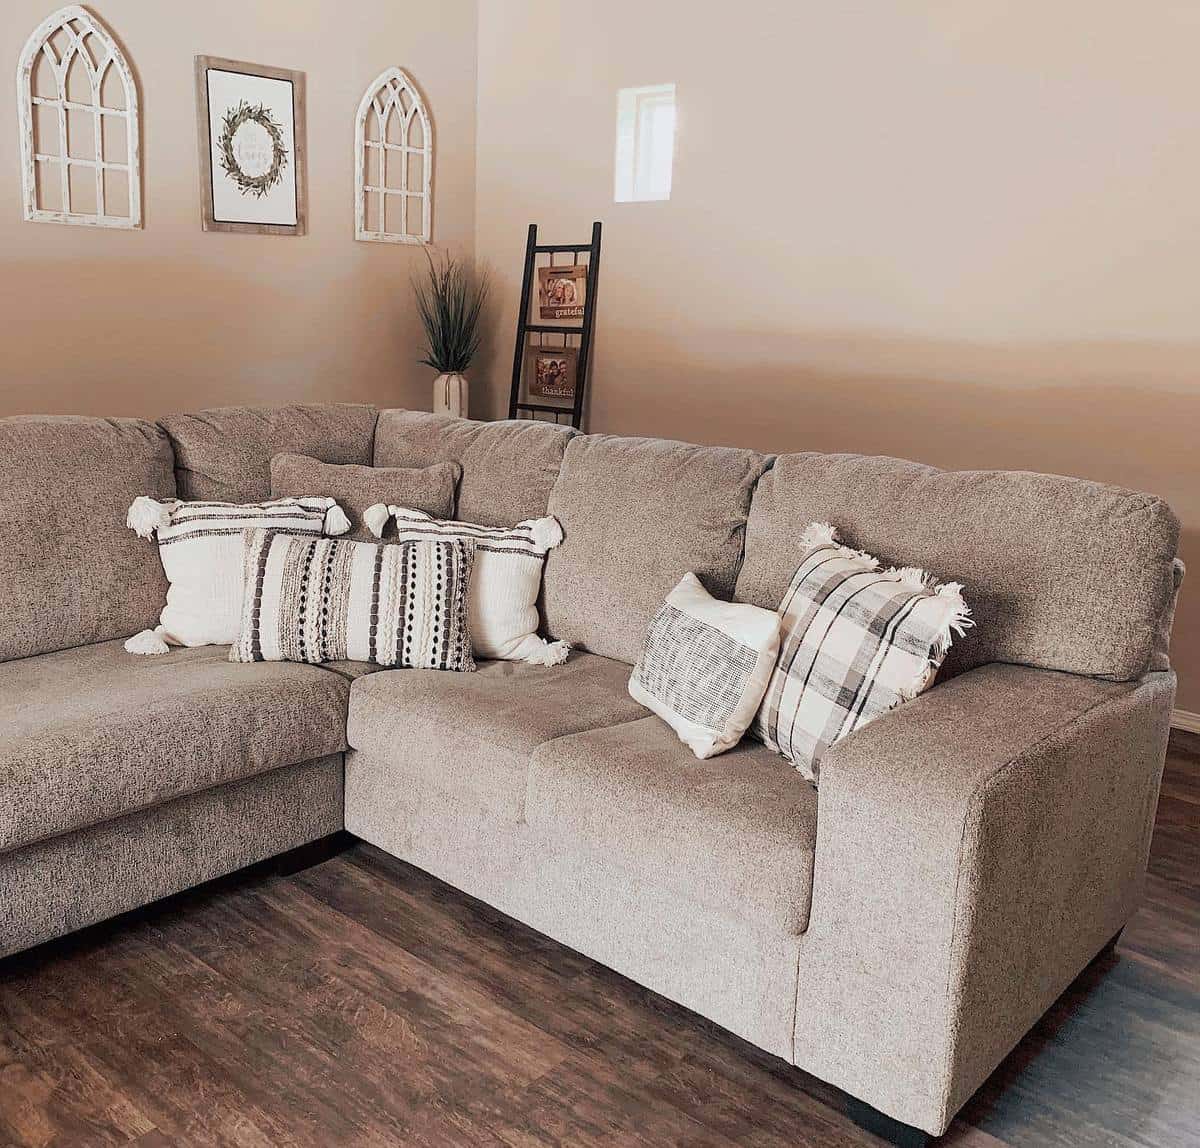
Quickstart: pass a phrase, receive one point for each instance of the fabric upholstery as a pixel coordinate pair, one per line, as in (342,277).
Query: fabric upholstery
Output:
(225,453)
(735,832)
(331,599)
(728,968)
(68,882)
(637,514)
(723,967)
(472,734)
(976,847)
(356,488)
(508,467)
(70,572)
(90,734)
(1060,573)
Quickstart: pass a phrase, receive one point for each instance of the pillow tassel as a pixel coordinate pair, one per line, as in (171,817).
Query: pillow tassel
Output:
(818,534)
(336,521)
(549,654)
(375,518)
(148,642)
(146,515)
(546,532)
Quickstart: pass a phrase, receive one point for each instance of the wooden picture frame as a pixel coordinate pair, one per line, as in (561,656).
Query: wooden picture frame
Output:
(257,200)
(552,372)
(562,291)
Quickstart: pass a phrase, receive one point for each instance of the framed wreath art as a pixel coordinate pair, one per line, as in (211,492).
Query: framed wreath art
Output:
(252,147)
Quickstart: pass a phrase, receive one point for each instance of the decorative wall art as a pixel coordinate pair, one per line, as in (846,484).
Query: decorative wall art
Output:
(250,122)
(393,156)
(77,108)
(561,291)
(552,372)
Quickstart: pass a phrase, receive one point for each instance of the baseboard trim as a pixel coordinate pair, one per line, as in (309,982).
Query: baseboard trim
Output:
(1185,720)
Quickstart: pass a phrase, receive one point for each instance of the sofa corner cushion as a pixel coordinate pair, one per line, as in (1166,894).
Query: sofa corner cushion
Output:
(70,570)
(637,514)
(94,733)
(471,735)
(735,832)
(225,453)
(508,467)
(1060,573)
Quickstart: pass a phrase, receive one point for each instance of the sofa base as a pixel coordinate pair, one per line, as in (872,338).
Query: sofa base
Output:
(56,886)
(723,967)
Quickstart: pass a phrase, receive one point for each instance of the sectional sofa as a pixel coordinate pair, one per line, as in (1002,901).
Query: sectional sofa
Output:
(894,933)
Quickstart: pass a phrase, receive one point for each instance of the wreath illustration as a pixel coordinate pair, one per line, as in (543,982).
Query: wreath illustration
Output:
(234,118)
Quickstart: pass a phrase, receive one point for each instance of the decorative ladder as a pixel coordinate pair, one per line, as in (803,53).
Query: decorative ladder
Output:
(522,408)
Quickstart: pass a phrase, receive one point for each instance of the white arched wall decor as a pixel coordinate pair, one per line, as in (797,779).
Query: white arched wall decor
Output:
(393,140)
(78,110)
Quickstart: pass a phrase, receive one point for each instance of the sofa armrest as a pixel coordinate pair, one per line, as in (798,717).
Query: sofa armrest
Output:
(975,849)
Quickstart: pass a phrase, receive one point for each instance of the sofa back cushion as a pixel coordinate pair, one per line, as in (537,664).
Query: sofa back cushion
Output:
(225,454)
(508,467)
(1059,573)
(637,515)
(71,572)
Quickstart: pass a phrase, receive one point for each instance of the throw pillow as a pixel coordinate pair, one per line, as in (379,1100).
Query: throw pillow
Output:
(705,665)
(364,491)
(324,600)
(857,641)
(502,601)
(200,544)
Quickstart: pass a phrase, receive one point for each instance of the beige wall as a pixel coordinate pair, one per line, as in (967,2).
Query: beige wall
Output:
(169,317)
(963,233)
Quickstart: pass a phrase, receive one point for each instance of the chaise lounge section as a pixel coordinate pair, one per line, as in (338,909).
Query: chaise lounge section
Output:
(894,933)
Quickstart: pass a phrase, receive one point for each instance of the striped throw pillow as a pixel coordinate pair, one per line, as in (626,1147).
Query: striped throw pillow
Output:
(857,641)
(312,599)
(704,666)
(200,544)
(502,601)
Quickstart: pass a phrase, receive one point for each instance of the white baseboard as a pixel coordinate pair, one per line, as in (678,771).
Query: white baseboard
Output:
(1185,720)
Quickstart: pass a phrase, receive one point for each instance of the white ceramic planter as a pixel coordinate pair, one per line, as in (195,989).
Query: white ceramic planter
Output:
(450,395)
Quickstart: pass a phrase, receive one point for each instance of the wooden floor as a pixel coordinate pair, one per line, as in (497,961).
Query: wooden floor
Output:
(360,1002)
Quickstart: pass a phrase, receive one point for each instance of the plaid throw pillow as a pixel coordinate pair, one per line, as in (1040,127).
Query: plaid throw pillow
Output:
(324,600)
(704,666)
(857,641)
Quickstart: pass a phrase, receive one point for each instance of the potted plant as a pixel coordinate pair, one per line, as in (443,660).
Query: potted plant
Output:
(450,298)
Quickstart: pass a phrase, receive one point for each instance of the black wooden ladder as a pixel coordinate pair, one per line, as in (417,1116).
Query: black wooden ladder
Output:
(521,407)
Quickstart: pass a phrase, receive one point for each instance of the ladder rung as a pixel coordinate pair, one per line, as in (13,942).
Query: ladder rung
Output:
(543,407)
(555,248)
(544,329)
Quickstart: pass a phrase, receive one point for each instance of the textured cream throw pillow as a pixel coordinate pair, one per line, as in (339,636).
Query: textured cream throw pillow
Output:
(502,601)
(200,544)
(704,666)
(857,641)
(311,599)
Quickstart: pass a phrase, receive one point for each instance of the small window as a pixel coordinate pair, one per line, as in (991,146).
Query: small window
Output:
(645,143)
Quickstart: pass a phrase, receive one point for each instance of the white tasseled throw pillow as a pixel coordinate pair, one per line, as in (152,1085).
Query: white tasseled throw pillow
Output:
(704,666)
(502,602)
(311,599)
(200,544)
(857,641)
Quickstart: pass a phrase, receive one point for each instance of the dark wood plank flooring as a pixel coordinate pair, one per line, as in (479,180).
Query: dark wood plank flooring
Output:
(361,1002)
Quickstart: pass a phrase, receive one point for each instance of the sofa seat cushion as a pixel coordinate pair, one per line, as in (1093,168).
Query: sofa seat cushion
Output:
(93,733)
(736,832)
(471,735)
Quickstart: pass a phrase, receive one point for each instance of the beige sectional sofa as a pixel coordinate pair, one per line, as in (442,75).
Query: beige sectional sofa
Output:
(894,933)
